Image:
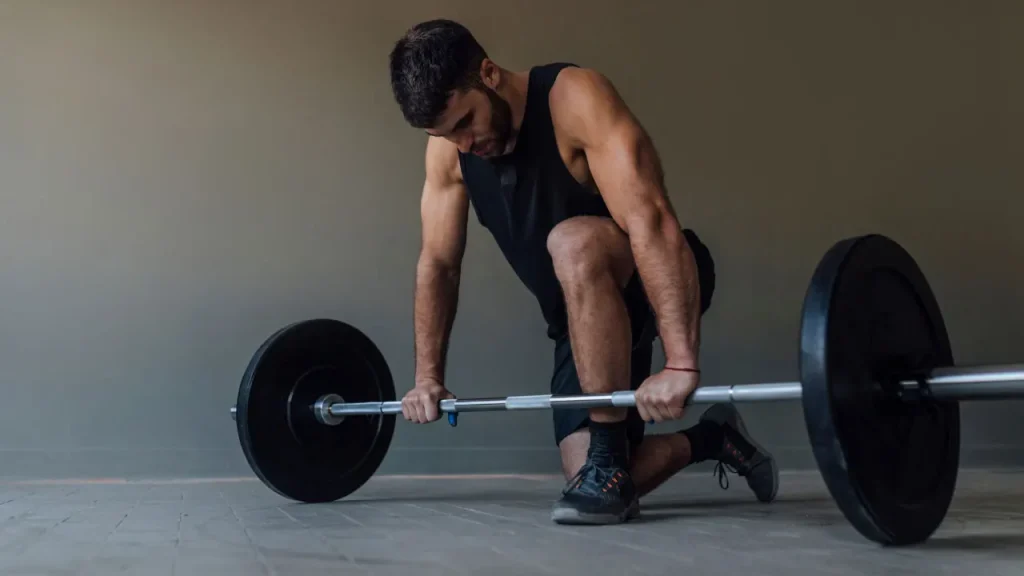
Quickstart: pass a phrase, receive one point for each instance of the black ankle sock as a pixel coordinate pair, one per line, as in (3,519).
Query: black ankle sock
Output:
(706,439)
(609,444)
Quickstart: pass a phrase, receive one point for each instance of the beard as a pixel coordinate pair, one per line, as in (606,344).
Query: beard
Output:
(500,122)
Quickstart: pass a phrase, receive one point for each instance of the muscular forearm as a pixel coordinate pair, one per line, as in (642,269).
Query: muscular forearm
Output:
(437,293)
(669,274)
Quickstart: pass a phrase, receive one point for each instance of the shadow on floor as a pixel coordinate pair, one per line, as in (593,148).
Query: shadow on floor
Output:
(454,497)
(718,504)
(810,511)
(1001,542)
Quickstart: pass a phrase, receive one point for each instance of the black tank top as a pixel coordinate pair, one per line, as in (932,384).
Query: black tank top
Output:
(520,197)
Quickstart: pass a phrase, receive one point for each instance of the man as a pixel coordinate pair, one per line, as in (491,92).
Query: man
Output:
(561,173)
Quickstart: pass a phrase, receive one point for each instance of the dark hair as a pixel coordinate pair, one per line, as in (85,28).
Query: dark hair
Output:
(432,60)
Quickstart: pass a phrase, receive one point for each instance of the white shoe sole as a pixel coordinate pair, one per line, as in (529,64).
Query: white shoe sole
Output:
(571,516)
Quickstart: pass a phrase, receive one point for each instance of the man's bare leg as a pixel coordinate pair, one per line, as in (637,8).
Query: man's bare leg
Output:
(719,435)
(594,263)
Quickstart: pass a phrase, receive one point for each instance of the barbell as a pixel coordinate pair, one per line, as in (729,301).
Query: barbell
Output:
(315,412)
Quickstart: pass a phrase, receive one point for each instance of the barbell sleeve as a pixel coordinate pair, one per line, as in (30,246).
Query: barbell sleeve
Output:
(990,382)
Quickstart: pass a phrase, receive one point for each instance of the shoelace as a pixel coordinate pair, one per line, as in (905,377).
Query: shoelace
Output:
(603,478)
(574,480)
(719,471)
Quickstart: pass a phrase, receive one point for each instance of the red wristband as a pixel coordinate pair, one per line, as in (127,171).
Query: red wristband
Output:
(694,370)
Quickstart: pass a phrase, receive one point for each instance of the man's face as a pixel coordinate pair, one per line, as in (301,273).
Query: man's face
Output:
(478,121)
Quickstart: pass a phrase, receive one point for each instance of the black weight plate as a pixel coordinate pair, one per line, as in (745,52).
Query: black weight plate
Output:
(870,319)
(289,450)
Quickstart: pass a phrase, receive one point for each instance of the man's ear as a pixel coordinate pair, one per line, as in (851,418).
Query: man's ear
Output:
(490,74)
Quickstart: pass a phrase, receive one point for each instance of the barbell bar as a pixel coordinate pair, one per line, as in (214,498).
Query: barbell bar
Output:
(880,391)
(986,382)
(962,383)
(622,399)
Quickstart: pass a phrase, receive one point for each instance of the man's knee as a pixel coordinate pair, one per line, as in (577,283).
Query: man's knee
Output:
(586,248)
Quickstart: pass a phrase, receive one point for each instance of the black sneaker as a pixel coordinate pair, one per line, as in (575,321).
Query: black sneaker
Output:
(597,495)
(742,455)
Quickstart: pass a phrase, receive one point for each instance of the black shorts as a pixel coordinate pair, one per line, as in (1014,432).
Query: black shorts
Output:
(644,330)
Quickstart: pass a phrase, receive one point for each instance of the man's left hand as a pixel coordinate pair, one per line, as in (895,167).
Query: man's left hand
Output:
(663,395)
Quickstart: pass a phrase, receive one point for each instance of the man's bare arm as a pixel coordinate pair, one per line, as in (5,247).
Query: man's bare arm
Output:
(444,209)
(626,168)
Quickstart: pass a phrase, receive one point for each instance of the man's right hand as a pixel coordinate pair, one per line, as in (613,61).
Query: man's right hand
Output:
(421,404)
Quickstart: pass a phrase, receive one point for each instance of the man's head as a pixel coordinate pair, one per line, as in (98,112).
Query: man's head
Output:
(445,83)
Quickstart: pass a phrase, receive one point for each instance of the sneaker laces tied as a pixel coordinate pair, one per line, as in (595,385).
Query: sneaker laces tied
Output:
(600,477)
(723,479)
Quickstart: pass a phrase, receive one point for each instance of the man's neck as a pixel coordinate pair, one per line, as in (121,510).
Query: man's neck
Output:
(515,93)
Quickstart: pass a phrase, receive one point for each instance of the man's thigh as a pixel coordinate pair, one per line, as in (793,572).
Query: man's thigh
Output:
(643,327)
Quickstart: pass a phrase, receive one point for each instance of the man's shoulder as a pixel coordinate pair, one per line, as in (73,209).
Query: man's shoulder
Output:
(579,85)
(442,160)
(580,96)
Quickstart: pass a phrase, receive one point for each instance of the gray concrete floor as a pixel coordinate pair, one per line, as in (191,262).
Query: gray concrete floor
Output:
(481,525)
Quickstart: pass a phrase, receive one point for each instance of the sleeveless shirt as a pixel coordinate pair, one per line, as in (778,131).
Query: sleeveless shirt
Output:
(522,196)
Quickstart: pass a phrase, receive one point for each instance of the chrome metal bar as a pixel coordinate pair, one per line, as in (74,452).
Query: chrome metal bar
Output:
(956,383)
(741,393)
(992,382)
(709,394)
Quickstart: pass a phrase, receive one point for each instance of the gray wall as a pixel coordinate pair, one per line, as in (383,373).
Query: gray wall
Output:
(180,179)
